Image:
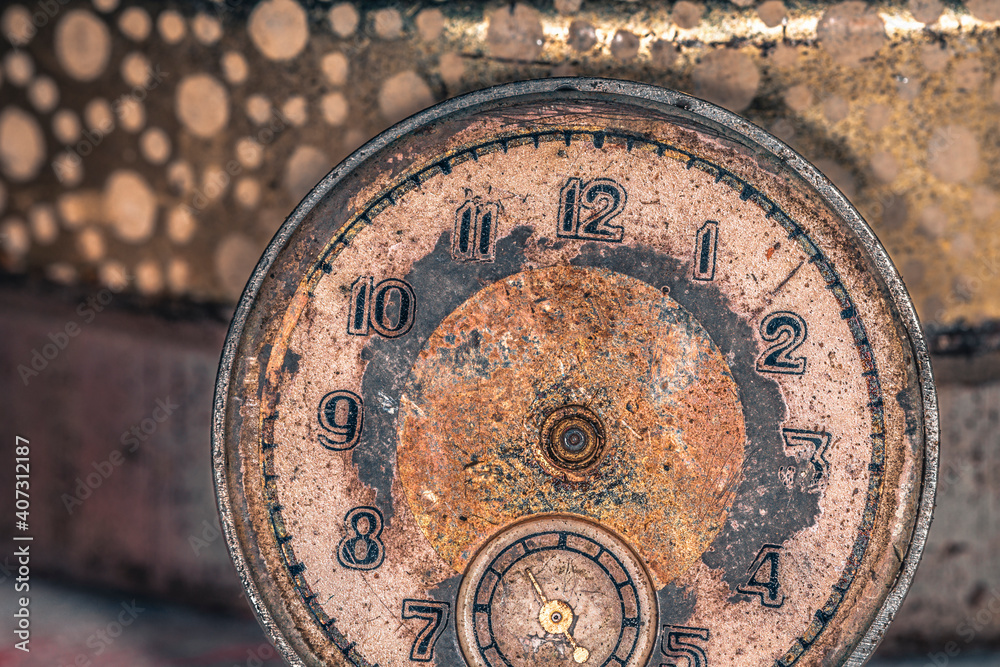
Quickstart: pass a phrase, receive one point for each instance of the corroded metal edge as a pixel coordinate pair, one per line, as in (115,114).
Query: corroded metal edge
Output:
(224,478)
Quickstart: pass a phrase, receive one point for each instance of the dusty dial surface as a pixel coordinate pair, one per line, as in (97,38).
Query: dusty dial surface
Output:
(575,372)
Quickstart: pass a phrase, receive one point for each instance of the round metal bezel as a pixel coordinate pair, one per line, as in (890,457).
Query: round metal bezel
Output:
(733,125)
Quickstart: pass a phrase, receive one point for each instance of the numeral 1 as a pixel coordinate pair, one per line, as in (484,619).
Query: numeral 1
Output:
(436,615)
(764,577)
(585,209)
(475,231)
(678,642)
(704,251)
(388,307)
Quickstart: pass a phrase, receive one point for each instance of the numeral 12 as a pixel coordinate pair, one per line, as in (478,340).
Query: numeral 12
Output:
(585,209)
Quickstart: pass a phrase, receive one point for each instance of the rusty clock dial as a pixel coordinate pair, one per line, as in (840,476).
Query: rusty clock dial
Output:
(575,372)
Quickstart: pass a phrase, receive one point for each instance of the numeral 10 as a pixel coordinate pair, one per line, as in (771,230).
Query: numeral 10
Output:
(387,307)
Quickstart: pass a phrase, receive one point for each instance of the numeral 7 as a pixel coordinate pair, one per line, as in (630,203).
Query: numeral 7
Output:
(436,615)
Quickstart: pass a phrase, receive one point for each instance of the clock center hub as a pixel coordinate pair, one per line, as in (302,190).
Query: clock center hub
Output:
(572,439)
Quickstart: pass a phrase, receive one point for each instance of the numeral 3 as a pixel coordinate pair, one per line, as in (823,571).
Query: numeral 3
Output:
(808,447)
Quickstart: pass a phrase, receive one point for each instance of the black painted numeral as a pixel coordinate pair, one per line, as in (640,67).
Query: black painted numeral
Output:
(361,548)
(678,642)
(809,449)
(704,250)
(764,577)
(388,307)
(786,331)
(436,615)
(585,209)
(475,231)
(341,414)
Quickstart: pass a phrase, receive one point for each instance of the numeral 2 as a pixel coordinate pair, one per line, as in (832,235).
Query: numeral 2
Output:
(341,414)
(475,231)
(585,209)
(704,250)
(373,305)
(769,587)
(436,615)
(786,331)
(677,643)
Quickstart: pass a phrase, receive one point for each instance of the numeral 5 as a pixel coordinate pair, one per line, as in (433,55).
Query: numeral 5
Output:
(679,642)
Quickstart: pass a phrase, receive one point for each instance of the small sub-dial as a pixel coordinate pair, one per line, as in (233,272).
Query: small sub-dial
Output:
(556,590)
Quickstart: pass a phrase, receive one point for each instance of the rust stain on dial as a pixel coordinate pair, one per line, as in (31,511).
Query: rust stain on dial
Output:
(472,438)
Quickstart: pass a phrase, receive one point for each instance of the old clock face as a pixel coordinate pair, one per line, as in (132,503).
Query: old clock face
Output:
(575,372)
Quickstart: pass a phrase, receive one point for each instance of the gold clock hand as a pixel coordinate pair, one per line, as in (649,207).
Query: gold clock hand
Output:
(538,589)
(556,617)
(580,654)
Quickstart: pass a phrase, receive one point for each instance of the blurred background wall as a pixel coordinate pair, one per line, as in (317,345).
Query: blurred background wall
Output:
(148,152)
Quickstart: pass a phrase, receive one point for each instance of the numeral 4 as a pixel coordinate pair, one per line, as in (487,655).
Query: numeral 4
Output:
(436,615)
(786,331)
(585,209)
(388,307)
(680,642)
(764,577)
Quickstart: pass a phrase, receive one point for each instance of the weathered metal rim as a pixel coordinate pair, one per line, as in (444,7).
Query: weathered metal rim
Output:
(648,93)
